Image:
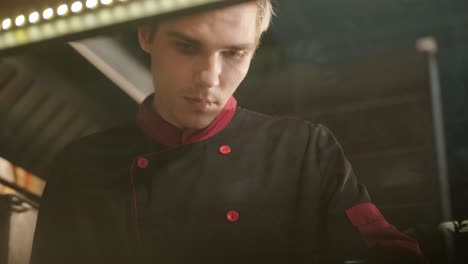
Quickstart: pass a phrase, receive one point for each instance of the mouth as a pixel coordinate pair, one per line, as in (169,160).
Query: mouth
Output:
(199,103)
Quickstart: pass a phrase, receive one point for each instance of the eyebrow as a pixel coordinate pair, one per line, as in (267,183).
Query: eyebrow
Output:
(183,37)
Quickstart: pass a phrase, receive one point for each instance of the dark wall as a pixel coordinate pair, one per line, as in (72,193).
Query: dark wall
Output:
(314,33)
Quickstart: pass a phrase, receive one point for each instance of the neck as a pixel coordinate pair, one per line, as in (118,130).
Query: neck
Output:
(158,112)
(161,130)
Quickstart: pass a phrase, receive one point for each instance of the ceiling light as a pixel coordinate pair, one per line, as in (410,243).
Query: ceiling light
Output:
(76,7)
(6,24)
(34,17)
(20,20)
(167,3)
(62,10)
(91,4)
(106,2)
(48,13)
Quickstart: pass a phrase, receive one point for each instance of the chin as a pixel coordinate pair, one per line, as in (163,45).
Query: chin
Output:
(198,123)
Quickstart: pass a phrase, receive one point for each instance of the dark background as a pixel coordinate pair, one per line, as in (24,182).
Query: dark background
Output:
(327,32)
(352,65)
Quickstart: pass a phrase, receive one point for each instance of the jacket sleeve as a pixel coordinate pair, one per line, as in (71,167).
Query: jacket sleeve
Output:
(354,227)
(54,237)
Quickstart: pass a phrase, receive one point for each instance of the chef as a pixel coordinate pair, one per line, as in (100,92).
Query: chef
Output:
(197,177)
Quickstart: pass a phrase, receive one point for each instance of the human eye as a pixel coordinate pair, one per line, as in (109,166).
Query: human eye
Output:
(235,54)
(185,47)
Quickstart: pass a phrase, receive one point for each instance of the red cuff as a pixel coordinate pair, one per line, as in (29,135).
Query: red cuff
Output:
(377,232)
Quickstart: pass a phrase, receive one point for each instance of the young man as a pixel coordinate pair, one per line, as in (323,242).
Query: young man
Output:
(199,177)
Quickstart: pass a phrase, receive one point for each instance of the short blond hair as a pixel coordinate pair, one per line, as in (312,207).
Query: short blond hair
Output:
(264,15)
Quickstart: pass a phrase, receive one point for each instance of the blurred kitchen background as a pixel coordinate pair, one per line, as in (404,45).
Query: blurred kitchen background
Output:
(389,78)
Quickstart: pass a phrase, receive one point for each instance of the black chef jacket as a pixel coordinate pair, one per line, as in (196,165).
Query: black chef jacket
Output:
(250,188)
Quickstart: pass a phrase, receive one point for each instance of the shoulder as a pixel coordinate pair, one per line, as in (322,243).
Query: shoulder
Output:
(109,140)
(286,131)
(279,124)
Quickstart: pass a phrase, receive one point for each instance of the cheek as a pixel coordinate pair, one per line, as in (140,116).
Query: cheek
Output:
(172,72)
(236,75)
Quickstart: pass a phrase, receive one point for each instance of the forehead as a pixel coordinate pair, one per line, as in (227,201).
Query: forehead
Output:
(236,24)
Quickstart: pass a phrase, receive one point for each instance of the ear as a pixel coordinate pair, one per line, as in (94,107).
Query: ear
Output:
(145,38)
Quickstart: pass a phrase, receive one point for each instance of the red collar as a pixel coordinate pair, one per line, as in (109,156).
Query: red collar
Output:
(165,133)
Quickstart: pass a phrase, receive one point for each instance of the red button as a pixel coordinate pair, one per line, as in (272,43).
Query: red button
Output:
(225,149)
(142,162)
(232,216)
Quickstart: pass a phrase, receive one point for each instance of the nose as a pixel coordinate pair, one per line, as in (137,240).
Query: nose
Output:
(209,72)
